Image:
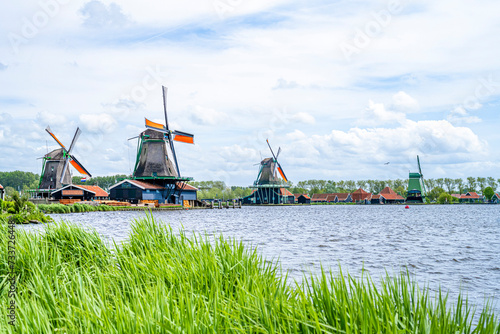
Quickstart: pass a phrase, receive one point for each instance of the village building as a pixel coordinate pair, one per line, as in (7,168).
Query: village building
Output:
(471,197)
(269,195)
(375,199)
(302,199)
(136,191)
(319,198)
(361,196)
(495,199)
(331,198)
(80,193)
(389,196)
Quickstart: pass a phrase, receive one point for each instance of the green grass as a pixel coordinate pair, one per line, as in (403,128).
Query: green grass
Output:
(77,207)
(71,281)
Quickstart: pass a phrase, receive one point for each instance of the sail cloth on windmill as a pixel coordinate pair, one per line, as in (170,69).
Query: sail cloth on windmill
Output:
(56,173)
(271,184)
(416,186)
(156,175)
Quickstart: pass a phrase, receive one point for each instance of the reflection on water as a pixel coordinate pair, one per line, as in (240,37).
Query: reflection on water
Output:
(457,247)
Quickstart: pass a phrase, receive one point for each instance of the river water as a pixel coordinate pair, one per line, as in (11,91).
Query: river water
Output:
(455,247)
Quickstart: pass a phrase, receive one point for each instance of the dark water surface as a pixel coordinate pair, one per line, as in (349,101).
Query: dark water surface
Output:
(456,247)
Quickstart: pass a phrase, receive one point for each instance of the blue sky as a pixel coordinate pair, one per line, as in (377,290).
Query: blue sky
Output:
(341,86)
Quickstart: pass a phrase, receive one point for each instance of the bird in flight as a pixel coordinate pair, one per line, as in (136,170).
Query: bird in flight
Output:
(387,163)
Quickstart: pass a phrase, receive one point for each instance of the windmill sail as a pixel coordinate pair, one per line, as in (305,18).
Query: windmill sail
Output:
(56,172)
(156,152)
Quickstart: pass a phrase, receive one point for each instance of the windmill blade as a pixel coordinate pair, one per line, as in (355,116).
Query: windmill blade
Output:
(78,166)
(54,136)
(64,169)
(155,126)
(75,138)
(267,140)
(133,137)
(419,169)
(164,89)
(278,154)
(282,173)
(168,133)
(183,137)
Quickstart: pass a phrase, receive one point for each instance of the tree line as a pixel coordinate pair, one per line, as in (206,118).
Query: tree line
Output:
(23,181)
(449,185)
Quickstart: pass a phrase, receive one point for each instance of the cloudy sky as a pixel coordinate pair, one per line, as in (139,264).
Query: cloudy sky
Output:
(341,86)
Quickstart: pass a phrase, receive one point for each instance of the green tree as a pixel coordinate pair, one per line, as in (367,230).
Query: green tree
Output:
(445,198)
(471,184)
(488,193)
(492,183)
(460,185)
(481,182)
(440,182)
(434,193)
(449,185)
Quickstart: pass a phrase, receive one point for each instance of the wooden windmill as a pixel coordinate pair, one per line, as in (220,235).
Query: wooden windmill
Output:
(55,171)
(271,184)
(416,186)
(268,168)
(156,160)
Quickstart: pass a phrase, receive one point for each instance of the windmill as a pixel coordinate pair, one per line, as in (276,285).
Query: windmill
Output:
(269,187)
(156,156)
(156,163)
(268,168)
(55,169)
(416,186)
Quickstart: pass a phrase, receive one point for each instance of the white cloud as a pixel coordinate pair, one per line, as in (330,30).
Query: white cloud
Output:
(98,123)
(207,116)
(404,102)
(97,15)
(459,115)
(303,117)
(377,114)
(45,118)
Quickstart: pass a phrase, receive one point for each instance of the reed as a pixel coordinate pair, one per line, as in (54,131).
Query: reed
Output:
(71,281)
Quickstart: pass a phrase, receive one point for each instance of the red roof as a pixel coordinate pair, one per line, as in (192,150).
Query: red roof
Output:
(470,195)
(390,194)
(285,192)
(298,195)
(145,185)
(456,195)
(360,195)
(185,186)
(341,196)
(99,192)
(387,190)
(392,197)
(375,196)
(319,197)
(331,197)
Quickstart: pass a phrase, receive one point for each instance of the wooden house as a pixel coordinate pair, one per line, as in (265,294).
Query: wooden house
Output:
(495,198)
(389,196)
(134,191)
(361,196)
(319,198)
(302,199)
(80,192)
(471,197)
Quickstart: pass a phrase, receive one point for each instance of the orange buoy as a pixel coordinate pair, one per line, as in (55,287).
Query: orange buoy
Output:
(407,207)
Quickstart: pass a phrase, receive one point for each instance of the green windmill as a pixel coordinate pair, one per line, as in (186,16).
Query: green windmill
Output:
(416,186)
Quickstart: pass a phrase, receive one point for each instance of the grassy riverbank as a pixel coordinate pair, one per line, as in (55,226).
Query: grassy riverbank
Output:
(70,281)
